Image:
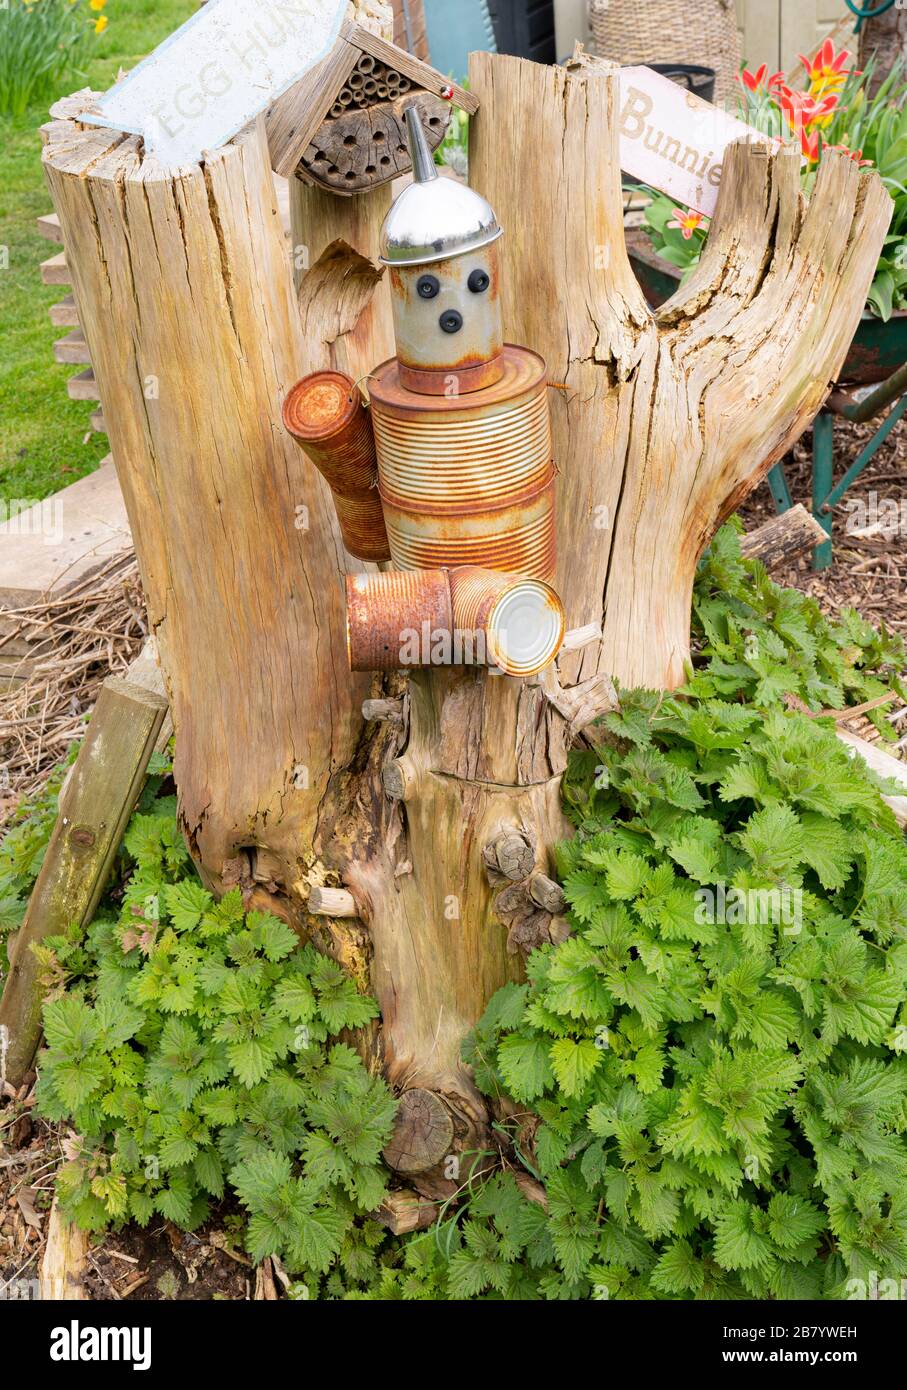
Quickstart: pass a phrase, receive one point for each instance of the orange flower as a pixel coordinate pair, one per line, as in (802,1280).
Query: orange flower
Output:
(827,69)
(759,80)
(686,222)
(806,116)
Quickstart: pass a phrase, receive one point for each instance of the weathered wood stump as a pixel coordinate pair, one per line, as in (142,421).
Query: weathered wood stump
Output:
(662,425)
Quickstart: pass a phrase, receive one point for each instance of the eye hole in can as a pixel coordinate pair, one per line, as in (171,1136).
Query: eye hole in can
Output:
(479,281)
(428,286)
(451,321)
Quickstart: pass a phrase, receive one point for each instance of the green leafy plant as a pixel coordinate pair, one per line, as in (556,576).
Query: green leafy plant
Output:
(705,1083)
(41,43)
(757,642)
(22,848)
(712,1064)
(192,1049)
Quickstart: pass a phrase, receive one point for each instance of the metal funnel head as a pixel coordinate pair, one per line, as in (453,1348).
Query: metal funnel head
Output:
(423,163)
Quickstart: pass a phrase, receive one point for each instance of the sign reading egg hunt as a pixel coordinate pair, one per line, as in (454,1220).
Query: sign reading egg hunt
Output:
(217,72)
(673,140)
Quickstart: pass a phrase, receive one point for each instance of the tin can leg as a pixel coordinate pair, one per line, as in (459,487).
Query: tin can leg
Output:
(823,466)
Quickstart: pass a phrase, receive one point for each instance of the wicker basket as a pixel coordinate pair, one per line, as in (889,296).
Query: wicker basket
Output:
(670,31)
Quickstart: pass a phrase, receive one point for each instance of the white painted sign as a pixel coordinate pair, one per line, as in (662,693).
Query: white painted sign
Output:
(217,72)
(673,140)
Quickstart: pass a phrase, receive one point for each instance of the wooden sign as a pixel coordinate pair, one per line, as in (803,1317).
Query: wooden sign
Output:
(673,140)
(220,70)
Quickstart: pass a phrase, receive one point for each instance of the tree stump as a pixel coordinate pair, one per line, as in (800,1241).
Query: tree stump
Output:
(662,425)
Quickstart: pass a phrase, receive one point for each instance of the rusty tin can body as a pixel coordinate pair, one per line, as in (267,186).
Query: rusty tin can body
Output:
(518,622)
(460,617)
(447,323)
(468,481)
(383,612)
(326,415)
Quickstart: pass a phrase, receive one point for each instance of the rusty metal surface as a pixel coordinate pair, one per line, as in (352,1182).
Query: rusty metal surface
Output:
(326,415)
(383,608)
(362,526)
(464,356)
(468,480)
(482,600)
(441,382)
(455,617)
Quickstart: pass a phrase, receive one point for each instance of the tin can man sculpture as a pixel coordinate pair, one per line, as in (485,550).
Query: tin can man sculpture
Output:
(449,475)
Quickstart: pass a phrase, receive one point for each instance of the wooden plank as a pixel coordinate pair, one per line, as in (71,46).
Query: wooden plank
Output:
(95,807)
(83,387)
(418,72)
(805,25)
(411,33)
(55,271)
(884,765)
(784,537)
(48,548)
(65,314)
(49,227)
(97,422)
(760,21)
(65,1260)
(73,348)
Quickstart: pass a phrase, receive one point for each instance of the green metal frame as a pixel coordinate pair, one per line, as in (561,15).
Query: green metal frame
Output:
(826,493)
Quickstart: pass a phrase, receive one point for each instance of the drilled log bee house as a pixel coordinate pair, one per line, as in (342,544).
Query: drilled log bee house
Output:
(342,127)
(462,452)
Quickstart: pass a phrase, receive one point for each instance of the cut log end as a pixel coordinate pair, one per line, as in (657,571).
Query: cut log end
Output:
(511,854)
(783,538)
(547,894)
(397,777)
(377,711)
(423,1133)
(405,1211)
(332,902)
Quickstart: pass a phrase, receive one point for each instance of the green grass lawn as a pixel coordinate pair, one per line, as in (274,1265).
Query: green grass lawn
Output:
(42,432)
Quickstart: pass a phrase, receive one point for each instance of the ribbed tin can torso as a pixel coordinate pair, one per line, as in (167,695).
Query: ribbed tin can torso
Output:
(469,479)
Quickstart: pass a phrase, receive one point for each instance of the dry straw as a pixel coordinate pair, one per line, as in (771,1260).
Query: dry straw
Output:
(54,654)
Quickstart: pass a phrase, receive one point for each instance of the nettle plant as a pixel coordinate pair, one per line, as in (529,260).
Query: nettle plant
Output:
(771,647)
(716,1099)
(192,1052)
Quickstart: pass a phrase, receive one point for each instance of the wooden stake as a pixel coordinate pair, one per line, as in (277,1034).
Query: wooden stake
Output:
(65,1259)
(332,902)
(106,780)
